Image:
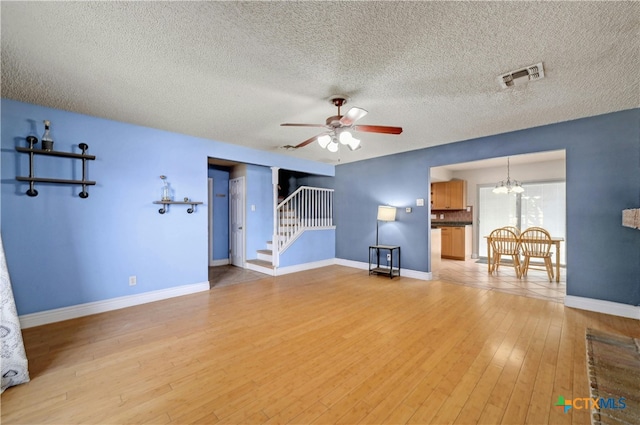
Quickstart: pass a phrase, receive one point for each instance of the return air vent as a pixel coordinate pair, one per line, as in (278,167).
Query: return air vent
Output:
(521,76)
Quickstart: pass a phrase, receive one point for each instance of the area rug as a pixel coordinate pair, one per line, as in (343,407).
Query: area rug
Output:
(614,377)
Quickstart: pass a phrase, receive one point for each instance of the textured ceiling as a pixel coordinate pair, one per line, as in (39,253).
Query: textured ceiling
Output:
(234,71)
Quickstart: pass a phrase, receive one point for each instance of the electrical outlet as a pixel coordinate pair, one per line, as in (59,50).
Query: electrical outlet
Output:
(388,257)
(132,280)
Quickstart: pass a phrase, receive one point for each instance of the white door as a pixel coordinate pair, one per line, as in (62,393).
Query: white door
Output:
(236,221)
(210,211)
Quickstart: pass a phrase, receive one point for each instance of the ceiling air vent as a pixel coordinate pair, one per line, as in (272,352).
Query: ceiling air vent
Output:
(521,76)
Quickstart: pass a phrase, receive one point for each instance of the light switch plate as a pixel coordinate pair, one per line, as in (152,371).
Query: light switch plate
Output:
(408,209)
(420,202)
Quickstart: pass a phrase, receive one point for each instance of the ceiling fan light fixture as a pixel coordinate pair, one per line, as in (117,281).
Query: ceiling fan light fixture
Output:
(354,144)
(345,137)
(324,140)
(339,128)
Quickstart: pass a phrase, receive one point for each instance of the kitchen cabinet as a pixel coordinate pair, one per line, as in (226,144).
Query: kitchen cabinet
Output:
(456,242)
(446,235)
(451,195)
(436,249)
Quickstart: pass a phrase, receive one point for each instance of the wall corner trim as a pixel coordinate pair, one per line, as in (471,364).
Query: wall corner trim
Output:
(87,309)
(602,306)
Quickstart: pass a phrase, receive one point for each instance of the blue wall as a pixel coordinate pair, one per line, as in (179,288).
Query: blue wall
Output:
(259,190)
(311,246)
(62,250)
(603,178)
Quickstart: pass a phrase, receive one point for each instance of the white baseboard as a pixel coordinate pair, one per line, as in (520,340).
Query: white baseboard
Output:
(601,306)
(216,263)
(302,267)
(80,310)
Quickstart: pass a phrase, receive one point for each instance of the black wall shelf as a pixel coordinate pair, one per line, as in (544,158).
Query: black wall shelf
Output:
(32,179)
(57,153)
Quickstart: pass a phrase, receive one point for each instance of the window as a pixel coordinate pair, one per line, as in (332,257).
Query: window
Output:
(541,204)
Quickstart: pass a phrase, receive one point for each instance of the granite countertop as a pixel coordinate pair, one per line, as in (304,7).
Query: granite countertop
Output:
(450,224)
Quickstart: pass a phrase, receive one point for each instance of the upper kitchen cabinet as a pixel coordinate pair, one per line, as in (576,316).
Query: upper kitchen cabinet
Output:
(451,195)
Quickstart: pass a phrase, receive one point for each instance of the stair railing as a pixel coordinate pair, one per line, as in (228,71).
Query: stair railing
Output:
(308,208)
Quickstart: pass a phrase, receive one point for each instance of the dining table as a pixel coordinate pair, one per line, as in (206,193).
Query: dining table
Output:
(555,240)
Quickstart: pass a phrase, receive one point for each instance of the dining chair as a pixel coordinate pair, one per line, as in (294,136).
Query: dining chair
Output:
(505,242)
(536,243)
(514,229)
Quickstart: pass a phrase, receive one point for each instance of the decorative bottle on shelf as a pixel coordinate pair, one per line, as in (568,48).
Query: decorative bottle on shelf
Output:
(166,192)
(47,141)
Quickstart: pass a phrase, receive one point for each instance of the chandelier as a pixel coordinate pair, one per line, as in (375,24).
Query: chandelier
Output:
(333,140)
(508,186)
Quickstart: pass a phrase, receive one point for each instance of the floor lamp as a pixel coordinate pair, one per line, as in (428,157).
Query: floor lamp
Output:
(385,213)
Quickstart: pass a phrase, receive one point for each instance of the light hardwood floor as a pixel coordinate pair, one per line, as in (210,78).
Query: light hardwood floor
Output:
(473,273)
(331,345)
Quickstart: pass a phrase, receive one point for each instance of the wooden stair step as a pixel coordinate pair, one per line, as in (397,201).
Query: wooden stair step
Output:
(261,263)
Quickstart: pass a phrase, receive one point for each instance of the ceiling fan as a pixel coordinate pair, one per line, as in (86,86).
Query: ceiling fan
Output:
(339,128)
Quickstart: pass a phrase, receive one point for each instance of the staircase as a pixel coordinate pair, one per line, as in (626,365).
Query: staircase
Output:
(264,262)
(308,208)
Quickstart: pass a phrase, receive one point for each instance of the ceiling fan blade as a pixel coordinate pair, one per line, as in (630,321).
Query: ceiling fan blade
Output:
(302,125)
(353,115)
(378,129)
(308,141)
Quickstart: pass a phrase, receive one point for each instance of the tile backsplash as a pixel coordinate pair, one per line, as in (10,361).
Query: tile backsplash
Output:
(461,216)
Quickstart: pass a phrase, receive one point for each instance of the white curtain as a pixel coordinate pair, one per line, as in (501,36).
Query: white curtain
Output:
(14,358)
(541,204)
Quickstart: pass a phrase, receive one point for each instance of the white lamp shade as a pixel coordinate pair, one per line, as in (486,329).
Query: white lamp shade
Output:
(354,144)
(324,140)
(332,147)
(500,189)
(344,137)
(386,213)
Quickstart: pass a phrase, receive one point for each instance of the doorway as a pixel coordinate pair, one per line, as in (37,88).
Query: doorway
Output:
(540,171)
